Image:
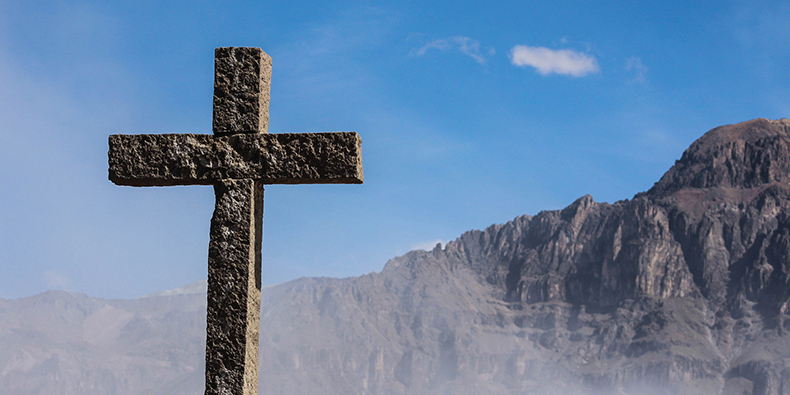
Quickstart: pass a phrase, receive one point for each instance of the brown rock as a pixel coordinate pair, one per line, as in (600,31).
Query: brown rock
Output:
(743,155)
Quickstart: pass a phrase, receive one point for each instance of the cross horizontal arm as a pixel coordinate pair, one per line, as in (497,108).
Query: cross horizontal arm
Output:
(190,159)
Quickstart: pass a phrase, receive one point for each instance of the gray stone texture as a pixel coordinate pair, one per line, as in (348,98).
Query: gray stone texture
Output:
(234,288)
(241,90)
(190,159)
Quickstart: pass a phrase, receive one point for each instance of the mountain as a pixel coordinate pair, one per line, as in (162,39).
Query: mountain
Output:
(682,289)
(68,344)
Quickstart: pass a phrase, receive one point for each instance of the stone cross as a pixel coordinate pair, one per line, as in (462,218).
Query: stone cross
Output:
(238,159)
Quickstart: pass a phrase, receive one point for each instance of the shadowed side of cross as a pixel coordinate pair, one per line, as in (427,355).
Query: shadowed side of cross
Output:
(237,160)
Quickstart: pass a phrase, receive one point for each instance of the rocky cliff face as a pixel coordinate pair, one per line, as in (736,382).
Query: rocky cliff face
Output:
(681,290)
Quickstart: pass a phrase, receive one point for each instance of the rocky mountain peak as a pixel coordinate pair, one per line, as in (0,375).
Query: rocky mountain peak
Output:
(744,155)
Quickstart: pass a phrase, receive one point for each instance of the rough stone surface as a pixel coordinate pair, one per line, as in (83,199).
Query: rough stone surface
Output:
(744,155)
(242,78)
(189,159)
(234,288)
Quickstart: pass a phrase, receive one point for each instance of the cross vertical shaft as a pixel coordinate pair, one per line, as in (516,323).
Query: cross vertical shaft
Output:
(234,288)
(241,105)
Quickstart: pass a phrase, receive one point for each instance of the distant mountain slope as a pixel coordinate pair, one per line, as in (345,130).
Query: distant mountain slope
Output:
(681,290)
(69,344)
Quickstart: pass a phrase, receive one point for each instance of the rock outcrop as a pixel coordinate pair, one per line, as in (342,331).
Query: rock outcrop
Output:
(681,290)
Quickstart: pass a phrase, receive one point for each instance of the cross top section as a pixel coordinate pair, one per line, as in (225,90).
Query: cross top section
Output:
(240,147)
(242,82)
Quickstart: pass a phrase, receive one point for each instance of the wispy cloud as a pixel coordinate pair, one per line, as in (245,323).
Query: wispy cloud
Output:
(428,245)
(559,61)
(637,68)
(761,25)
(55,280)
(465,45)
(760,32)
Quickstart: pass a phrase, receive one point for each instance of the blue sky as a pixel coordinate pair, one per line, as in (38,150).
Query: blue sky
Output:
(470,113)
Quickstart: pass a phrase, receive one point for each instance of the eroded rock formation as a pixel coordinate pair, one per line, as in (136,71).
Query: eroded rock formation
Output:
(681,290)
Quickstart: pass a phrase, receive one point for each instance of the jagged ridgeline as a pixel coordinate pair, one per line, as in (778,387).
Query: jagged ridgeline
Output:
(681,290)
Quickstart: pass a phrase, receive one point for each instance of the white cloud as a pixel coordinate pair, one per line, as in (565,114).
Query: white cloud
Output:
(635,66)
(55,280)
(429,245)
(560,61)
(465,45)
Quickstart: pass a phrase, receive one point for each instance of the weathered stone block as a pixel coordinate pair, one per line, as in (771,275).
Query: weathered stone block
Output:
(234,288)
(190,159)
(242,78)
